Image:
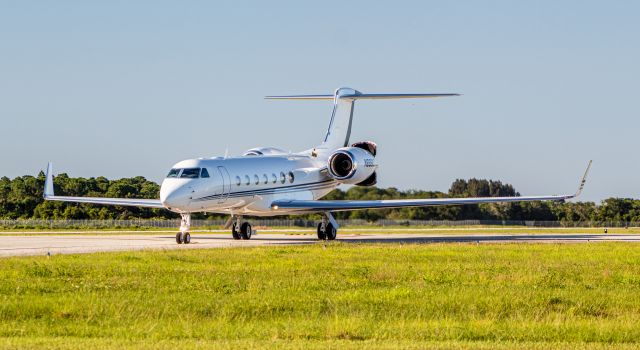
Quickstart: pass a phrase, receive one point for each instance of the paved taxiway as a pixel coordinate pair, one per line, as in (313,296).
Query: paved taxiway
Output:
(14,245)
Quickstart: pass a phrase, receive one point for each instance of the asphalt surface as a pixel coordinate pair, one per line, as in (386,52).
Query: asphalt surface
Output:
(43,244)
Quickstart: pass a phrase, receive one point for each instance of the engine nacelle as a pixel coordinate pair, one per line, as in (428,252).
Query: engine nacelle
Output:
(351,165)
(369,146)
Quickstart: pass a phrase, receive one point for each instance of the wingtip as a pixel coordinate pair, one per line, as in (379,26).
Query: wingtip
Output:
(583,180)
(48,182)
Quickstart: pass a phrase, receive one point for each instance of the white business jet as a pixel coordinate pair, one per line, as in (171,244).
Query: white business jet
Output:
(268,181)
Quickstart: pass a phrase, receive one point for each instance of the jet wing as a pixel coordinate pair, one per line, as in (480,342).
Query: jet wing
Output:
(132,202)
(344,205)
(50,196)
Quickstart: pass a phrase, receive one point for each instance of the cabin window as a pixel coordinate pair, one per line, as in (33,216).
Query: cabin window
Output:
(291,178)
(247,180)
(274,178)
(256,179)
(173,173)
(238,181)
(283,178)
(265,178)
(190,173)
(204,173)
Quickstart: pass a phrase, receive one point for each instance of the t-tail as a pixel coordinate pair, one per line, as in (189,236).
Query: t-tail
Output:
(339,129)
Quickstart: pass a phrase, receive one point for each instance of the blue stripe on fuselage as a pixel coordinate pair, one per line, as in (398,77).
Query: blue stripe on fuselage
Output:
(284,189)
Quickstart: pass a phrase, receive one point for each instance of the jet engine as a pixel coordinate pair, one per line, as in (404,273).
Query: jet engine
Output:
(354,165)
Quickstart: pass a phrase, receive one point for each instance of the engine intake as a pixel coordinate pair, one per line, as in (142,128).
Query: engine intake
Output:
(341,164)
(351,165)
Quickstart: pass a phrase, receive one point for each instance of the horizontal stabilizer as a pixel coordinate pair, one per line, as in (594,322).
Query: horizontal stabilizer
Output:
(357,96)
(344,99)
(300,97)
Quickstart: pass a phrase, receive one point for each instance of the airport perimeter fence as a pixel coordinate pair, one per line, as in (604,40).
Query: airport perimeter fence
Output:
(290,223)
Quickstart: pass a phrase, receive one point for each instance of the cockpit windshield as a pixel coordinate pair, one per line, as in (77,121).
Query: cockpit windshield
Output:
(173,173)
(188,173)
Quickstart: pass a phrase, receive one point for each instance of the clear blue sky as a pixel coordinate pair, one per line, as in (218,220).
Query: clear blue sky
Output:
(123,88)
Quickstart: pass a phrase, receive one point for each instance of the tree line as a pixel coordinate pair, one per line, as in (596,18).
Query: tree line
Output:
(21,198)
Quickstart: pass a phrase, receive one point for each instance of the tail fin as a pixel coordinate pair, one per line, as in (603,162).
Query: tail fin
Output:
(339,129)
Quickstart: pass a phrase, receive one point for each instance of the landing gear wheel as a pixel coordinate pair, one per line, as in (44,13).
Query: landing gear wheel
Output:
(245,230)
(331,232)
(321,235)
(185,223)
(234,231)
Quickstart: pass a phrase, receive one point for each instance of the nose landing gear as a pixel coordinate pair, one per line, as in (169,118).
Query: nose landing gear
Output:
(183,237)
(185,224)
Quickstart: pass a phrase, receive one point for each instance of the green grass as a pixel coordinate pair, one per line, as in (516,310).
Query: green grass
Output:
(449,296)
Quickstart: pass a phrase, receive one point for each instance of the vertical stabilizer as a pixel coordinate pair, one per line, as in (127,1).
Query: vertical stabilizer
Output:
(339,129)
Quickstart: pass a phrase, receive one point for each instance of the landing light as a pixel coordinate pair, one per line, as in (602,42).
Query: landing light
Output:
(274,207)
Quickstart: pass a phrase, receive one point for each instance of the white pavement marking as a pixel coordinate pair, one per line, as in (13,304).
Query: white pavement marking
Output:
(14,245)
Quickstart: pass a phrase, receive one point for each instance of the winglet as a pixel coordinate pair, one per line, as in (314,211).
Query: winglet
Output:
(48,182)
(584,180)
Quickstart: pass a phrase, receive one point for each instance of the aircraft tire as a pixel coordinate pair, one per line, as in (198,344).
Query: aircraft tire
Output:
(331,232)
(245,230)
(234,232)
(186,238)
(179,238)
(321,235)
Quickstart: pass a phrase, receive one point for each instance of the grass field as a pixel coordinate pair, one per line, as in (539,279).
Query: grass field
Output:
(449,296)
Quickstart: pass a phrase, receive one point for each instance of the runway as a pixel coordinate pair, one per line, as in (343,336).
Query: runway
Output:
(43,244)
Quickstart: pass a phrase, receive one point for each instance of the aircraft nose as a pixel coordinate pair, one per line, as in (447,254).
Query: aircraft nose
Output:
(170,200)
(174,196)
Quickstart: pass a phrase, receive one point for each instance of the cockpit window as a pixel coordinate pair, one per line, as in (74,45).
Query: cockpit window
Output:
(204,173)
(190,173)
(173,173)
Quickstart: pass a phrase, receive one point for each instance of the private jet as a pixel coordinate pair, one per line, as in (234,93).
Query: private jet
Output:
(268,181)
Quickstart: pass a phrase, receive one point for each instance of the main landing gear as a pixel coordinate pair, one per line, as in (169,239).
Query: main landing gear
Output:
(328,228)
(241,230)
(185,224)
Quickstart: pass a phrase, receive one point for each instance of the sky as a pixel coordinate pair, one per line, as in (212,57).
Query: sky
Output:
(128,88)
